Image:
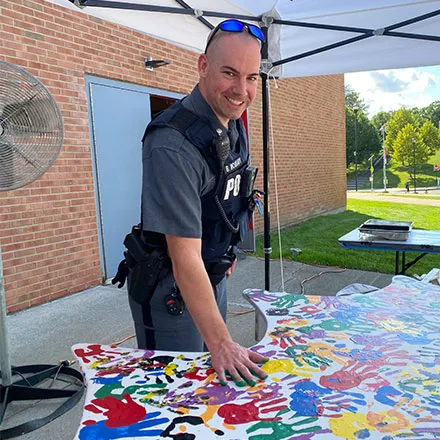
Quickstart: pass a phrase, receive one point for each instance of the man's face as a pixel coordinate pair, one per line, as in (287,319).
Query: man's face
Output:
(229,75)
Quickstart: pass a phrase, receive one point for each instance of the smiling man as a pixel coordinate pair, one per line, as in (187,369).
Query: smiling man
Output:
(229,73)
(196,205)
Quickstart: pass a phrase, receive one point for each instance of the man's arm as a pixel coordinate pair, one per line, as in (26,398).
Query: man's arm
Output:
(195,287)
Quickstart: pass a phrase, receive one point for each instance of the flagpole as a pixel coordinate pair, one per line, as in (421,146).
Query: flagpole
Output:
(371,172)
(383,130)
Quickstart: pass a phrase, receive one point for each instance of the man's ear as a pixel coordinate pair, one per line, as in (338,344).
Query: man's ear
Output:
(203,65)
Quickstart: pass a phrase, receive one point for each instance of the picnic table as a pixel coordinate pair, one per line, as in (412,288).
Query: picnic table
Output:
(419,240)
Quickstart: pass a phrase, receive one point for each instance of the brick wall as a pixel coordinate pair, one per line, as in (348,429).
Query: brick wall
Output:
(308,126)
(48,229)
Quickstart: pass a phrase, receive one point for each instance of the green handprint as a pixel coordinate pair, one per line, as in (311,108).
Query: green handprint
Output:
(288,300)
(302,357)
(333,324)
(282,430)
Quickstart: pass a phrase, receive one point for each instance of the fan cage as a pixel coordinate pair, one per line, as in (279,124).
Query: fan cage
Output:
(31,128)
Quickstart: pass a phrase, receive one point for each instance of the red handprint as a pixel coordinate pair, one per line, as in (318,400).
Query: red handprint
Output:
(234,414)
(95,351)
(119,412)
(351,376)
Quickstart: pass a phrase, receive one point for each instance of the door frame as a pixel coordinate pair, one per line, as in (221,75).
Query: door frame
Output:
(89,82)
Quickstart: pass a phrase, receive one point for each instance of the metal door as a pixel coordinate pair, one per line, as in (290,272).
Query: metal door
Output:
(119,115)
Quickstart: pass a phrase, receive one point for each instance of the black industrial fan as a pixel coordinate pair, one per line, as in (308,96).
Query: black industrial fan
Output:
(31,135)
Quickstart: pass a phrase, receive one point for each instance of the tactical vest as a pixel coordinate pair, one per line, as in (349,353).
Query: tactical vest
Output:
(225,214)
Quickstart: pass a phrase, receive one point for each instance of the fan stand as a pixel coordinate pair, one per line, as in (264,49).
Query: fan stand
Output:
(25,389)
(27,109)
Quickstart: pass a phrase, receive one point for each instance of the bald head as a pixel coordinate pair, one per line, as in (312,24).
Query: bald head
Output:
(229,73)
(212,41)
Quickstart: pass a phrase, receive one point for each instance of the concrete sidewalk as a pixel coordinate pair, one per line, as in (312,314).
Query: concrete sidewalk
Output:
(44,334)
(398,195)
(424,196)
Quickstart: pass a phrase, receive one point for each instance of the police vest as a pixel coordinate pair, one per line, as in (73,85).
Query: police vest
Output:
(225,214)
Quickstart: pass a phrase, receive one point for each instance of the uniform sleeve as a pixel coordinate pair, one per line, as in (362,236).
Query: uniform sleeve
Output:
(171,190)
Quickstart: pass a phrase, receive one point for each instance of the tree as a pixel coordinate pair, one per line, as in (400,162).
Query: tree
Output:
(401,118)
(420,116)
(353,99)
(381,118)
(433,112)
(430,135)
(409,147)
(368,138)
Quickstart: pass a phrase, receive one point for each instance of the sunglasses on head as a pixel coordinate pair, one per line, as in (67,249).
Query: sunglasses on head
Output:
(236,26)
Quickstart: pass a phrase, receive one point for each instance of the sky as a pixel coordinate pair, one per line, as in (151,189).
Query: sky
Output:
(385,90)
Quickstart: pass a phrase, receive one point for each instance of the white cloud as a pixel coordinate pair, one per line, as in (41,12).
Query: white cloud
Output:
(385,90)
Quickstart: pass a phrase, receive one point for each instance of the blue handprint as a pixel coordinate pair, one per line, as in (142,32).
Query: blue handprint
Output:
(99,431)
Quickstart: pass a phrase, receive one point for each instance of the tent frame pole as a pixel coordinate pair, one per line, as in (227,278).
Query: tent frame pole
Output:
(201,19)
(169,10)
(266,170)
(266,165)
(199,14)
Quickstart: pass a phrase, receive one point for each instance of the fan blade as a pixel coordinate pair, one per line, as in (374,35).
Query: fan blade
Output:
(31,127)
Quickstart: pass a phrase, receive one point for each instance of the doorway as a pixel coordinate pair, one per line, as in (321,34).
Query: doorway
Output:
(118,115)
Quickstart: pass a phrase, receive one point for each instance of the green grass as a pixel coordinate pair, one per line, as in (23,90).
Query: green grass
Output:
(398,175)
(318,237)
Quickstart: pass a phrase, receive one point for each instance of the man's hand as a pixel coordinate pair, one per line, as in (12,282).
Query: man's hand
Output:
(195,287)
(238,362)
(231,269)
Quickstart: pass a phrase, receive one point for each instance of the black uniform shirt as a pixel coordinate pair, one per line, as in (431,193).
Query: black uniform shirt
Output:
(175,176)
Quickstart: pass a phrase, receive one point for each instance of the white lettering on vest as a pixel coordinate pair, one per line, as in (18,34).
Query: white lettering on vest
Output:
(232,166)
(233,184)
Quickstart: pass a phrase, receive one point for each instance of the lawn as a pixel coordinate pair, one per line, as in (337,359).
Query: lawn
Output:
(398,175)
(318,237)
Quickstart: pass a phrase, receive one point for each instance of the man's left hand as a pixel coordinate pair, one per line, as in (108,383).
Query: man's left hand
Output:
(240,363)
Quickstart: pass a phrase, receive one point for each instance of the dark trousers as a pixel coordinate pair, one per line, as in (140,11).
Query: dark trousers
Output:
(156,329)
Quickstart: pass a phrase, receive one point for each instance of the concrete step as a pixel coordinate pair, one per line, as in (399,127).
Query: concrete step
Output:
(361,181)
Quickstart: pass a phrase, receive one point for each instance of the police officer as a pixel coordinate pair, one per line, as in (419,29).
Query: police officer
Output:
(195,196)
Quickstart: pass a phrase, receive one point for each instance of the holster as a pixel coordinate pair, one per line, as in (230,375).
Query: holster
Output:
(147,266)
(217,268)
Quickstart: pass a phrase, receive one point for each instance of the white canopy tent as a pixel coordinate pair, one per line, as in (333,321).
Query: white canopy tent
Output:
(387,33)
(305,37)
